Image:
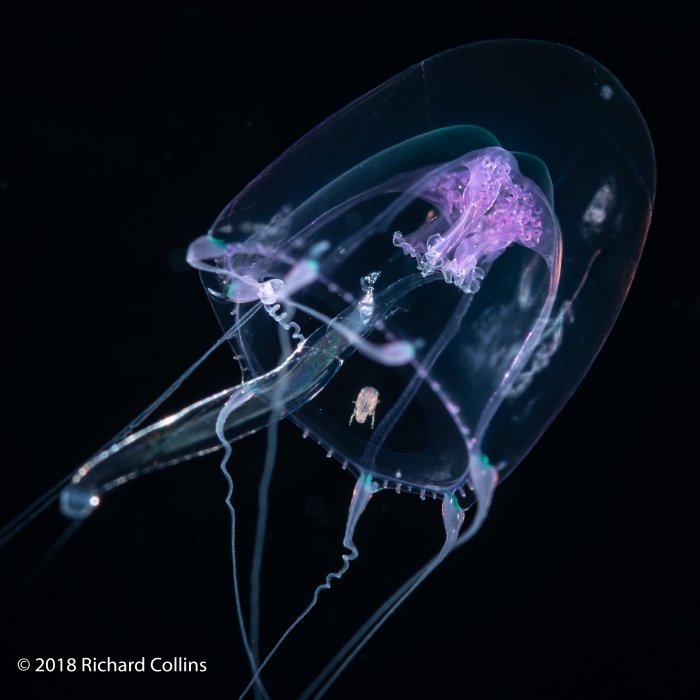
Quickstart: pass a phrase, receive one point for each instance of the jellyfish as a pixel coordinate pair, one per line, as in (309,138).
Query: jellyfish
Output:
(460,240)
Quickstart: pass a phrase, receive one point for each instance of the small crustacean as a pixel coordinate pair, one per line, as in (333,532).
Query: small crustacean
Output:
(366,405)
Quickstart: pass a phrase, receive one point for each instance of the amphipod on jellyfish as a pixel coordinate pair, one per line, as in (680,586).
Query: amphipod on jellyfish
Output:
(366,405)
(458,241)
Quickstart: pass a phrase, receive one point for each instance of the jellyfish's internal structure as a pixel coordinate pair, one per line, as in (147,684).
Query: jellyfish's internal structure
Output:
(460,241)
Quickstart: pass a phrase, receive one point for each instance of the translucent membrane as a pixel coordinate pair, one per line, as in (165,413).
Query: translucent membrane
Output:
(434,269)
(506,188)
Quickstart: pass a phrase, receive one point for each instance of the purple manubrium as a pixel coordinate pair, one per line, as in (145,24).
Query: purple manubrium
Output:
(486,205)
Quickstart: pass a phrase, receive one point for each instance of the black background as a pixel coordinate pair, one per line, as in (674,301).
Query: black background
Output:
(122,135)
